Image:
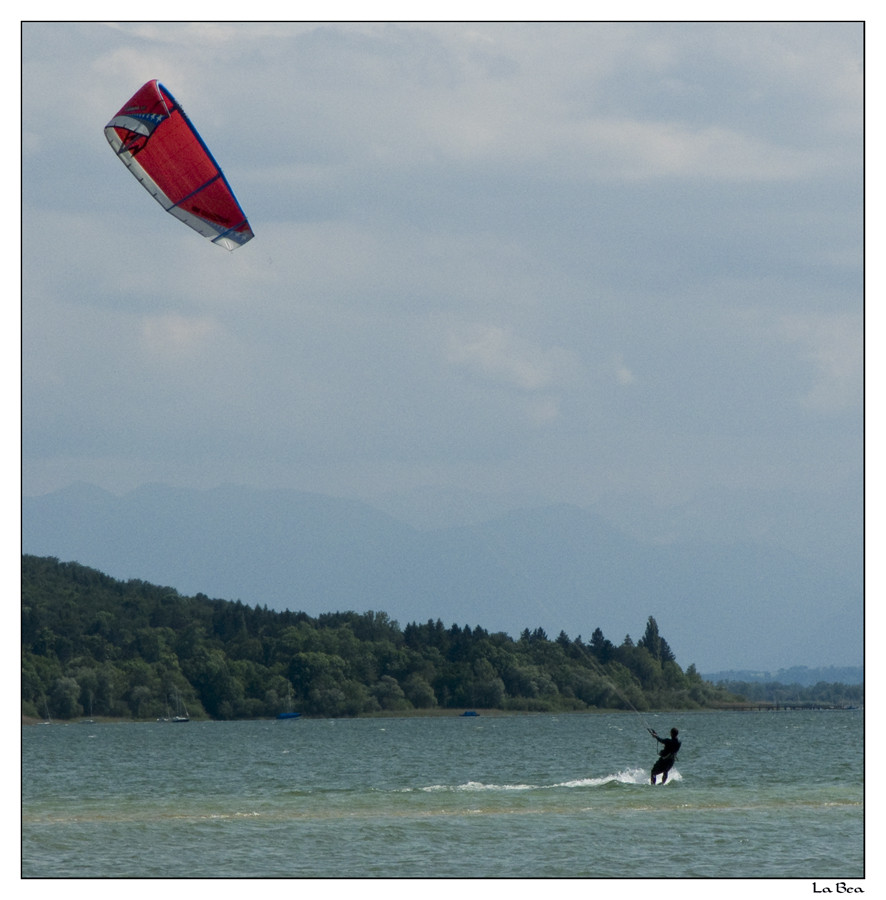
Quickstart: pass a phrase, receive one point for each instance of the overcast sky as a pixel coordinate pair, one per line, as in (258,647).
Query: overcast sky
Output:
(618,265)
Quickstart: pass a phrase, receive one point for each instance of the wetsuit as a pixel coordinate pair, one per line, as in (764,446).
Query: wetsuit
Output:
(666,757)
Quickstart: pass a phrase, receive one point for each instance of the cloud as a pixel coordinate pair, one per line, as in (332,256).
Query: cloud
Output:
(623,375)
(495,353)
(833,346)
(174,335)
(495,253)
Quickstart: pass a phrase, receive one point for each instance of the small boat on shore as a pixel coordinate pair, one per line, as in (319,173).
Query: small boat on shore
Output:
(289,714)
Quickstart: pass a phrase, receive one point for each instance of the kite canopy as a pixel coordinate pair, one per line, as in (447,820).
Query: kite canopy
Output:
(154,138)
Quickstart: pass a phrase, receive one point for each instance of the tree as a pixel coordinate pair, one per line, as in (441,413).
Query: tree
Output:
(63,700)
(655,643)
(218,690)
(601,647)
(315,671)
(487,693)
(139,699)
(419,692)
(389,694)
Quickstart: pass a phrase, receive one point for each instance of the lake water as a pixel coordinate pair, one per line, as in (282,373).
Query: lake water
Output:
(767,794)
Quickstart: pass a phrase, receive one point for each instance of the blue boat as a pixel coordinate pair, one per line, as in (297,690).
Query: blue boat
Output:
(289,714)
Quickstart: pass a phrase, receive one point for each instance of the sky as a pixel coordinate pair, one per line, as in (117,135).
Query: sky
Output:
(617,265)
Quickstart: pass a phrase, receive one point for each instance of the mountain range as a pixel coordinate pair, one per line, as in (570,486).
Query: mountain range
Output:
(560,567)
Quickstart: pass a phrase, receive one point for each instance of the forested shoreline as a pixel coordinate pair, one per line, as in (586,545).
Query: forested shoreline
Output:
(96,646)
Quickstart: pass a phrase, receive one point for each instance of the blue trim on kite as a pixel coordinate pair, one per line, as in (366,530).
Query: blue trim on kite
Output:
(206,184)
(232,232)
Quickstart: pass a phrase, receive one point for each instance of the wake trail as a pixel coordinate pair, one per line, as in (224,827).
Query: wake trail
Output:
(630,776)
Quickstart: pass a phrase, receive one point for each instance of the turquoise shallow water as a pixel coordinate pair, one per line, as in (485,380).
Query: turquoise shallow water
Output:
(504,796)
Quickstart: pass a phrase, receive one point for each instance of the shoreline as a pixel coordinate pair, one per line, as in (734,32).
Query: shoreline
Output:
(759,706)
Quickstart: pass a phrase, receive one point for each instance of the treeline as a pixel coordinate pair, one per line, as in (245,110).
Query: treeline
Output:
(826,693)
(96,646)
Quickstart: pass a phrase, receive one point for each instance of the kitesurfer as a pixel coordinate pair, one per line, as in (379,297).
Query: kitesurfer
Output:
(666,756)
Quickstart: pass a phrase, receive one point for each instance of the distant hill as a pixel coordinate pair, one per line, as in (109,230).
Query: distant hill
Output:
(556,567)
(801,675)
